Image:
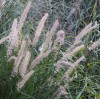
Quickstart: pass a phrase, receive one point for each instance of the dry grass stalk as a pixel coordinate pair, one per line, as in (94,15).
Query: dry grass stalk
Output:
(62,64)
(48,41)
(19,58)
(16,28)
(24,64)
(63,61)
(95,44)
(58,42)
(12,58)
(45,53)
(77,5)
(84,32)
(71,68)
(74,51)
(14,35)
(39,58)
(60,38)
(22,48)
(54,27)
(21,83)
(39,29)
(22,60)
(4,39)
(66,63)
(78,61)
(61,91)
(26,72)
(13,40)
(21,65)
(24,16)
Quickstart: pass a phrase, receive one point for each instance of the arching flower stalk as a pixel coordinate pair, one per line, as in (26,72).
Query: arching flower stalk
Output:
(71,51)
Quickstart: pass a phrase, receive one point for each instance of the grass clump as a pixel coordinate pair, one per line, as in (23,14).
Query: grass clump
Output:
(54,58)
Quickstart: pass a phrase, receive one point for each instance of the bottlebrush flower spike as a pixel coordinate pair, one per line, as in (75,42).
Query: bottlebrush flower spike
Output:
(24,64)
(60,37)
(48,40)
(39,29)
(24,16)
(84,32)
(19,58)
(21,83)
(61,91)
(95,44)
(13,40)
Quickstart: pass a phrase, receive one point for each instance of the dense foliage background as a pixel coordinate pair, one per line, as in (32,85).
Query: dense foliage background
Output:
(73,15)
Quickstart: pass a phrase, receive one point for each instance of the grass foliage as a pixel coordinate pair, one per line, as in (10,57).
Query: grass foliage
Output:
(73,16)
